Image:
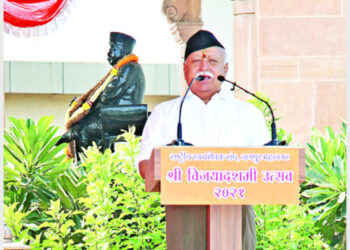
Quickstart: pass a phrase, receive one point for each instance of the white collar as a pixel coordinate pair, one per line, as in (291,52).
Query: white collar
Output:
(223,95)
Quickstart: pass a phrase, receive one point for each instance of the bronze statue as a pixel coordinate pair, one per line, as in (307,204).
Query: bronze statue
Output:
(112,104)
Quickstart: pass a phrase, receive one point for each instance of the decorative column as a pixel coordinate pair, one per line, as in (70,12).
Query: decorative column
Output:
(185,17)
(245,45)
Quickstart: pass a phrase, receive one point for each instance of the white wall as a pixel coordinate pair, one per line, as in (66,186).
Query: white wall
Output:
(218,17)
(85,35)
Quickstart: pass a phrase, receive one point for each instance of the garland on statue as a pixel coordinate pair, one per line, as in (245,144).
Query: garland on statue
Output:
(81,105)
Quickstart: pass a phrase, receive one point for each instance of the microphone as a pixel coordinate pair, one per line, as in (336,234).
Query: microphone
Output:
(273,141)
(179,141)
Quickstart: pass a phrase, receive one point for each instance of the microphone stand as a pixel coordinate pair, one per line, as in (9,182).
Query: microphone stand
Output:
(180,141)
(273,141)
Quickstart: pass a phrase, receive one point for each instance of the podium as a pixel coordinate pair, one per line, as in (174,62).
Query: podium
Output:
(205,188)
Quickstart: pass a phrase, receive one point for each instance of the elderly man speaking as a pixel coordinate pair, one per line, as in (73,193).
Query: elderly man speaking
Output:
(210,116)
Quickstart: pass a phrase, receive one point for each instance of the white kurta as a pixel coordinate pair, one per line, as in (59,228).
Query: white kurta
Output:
(224,121)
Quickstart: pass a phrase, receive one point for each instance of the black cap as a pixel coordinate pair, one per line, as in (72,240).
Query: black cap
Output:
(201,40)
(118,36)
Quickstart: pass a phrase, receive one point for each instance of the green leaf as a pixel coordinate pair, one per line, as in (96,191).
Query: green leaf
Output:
(29,123)
(340,166)
(14,151)
(25,138)
(318,191)
(330,133)
(43,124)
(341,197)
(46,148)
(51,152)
(65,198)
(10,172)
(9,157)
(321,198)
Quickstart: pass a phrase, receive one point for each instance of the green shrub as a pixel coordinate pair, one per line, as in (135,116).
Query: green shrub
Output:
(98,204)
(119,213)
(286,227)
(325,186)
(58,229)
(35,173)
(15,219)
(101,203)
(31,163)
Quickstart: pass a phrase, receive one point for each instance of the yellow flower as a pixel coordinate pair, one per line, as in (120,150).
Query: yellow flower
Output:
(86,106)
(114,71)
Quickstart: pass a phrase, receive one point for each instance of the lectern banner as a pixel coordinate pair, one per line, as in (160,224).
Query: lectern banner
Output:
(209,176)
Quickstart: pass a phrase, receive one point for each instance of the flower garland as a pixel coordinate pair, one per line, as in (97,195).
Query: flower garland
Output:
(114,72)
(73,111)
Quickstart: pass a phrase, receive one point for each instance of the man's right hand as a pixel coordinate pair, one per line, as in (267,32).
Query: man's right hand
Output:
(143,166)
(146,168)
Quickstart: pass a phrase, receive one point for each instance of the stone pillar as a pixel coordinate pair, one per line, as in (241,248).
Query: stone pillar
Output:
(294,51)
(245,45)
(302,63)
(185,17)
